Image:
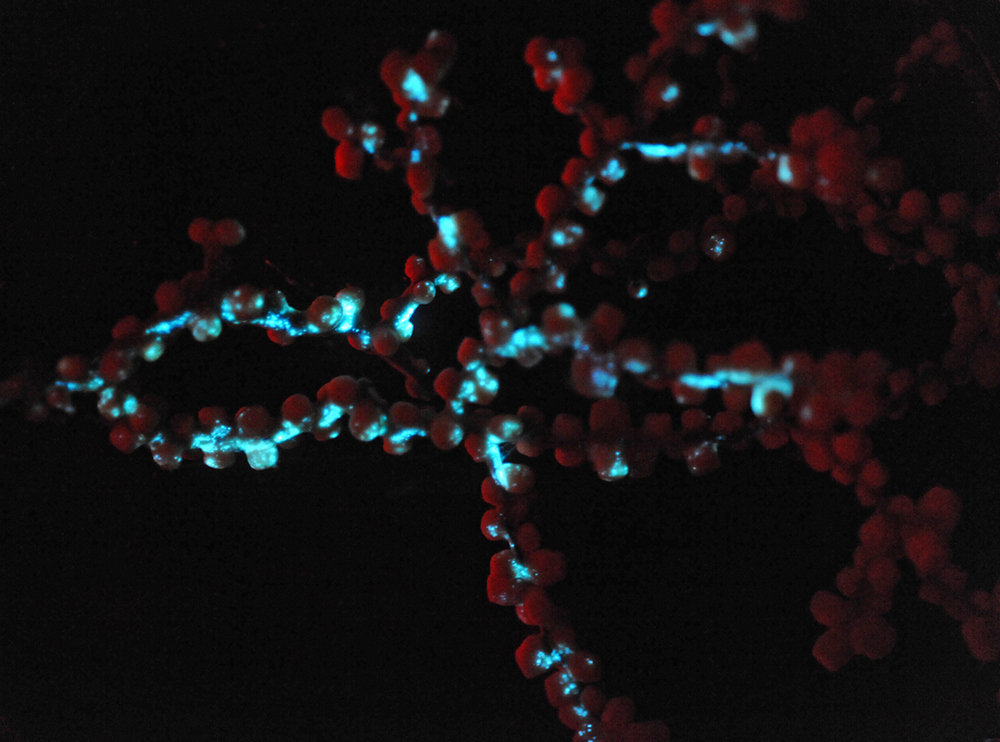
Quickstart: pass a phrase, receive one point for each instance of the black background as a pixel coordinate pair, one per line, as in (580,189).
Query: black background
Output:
(342,595)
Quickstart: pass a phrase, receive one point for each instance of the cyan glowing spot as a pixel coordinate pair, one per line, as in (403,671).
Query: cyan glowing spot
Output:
(467,390)
(350,307)
(715,246)
(613,170)
(404,329)
(506,474)
(569,685)
(637,366)
(287,431)
(707,28)
(701,381)
(657,151)
(603,379)
(784,171)
(566,235)
(522,340)
(402,324)
(215,460)
(106,403)
(671,92)
(762,382)
(404,434)
(563,650)
(640,291)
(261,454)
(92,384)
(486,381)
(371,137)
(546,660)
(205,327)
(776,383)
(593,199)
(448,231)
(494,460)
(328,415)
(169,325)
(730,148)
(617,470)
(507,428)
(414,87)
(495,531)
(376,427)
(741,39)
(447,282)
(700,149)
(363,339)
(216,440)
(154,350)
(278,321)
(130,405)
(527,337)
(521,571)
(327,317)
(241,301)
